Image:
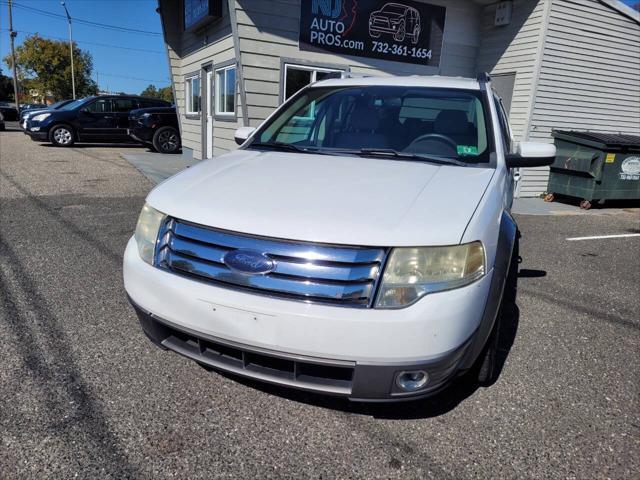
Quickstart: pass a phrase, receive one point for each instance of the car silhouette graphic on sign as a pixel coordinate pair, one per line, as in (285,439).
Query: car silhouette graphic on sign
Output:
(398,20)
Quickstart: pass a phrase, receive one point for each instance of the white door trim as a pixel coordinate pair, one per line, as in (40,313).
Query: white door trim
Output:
(209,113)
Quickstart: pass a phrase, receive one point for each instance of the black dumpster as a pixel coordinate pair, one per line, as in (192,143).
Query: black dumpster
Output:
(595,167)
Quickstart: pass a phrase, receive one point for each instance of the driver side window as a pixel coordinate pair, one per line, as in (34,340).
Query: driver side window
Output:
(102,105)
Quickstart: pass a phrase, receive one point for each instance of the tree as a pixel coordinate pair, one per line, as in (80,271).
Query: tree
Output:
(47,64)
(6,87)
(165,93)
(150,91)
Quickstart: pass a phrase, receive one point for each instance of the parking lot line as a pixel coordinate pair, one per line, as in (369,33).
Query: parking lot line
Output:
(601,237)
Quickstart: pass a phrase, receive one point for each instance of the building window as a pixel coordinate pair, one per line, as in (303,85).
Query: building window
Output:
(192,87)
(226,90)
(297,77)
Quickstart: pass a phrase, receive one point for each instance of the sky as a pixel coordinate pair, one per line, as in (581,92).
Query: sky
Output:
(118,69)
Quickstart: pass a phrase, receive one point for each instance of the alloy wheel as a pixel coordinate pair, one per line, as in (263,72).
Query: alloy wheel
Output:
(62,136)
(168,141)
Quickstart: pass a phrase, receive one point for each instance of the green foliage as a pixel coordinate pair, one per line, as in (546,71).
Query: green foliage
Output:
(6,87)
(165,93)
(46,64)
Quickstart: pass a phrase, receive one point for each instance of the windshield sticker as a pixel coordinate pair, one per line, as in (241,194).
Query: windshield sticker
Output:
(467,150)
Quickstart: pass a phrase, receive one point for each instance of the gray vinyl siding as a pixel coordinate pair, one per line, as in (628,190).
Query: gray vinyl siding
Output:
(220,52)
(188,51)
(268,31)
(514,48)
(589,77)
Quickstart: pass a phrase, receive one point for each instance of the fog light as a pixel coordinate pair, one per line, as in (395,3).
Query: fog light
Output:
(412,381)
(35,129)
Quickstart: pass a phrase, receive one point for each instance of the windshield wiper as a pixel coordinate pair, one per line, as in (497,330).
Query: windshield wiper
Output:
(281,146)
(388,152)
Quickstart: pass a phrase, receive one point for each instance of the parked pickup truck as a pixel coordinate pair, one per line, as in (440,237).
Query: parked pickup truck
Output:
(357,244)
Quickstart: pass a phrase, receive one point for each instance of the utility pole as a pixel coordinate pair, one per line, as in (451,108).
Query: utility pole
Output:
(73,79)
(12,35)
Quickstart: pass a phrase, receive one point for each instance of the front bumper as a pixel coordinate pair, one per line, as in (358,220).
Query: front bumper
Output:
(384,28)
(351,352)
(141,134)
(356,381)
(38,136)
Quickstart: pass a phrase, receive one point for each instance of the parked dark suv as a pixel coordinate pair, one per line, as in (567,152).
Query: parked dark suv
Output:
(92,119)
(156,127)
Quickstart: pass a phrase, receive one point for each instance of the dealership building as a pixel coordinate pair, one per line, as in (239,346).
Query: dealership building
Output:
(557,64)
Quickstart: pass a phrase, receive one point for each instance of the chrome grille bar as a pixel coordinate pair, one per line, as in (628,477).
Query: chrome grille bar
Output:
(305,271)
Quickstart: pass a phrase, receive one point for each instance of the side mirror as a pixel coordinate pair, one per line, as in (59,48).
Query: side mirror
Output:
(85,111)
(243,133)
(532,154)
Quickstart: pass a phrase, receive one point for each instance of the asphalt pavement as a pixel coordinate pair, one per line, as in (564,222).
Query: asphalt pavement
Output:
(83,393)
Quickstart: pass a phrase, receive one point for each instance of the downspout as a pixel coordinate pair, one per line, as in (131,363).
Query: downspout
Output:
(240,70)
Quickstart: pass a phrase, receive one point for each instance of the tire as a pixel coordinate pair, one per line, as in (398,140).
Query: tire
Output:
(416,35)
(374,34)
(400,34)
(62,135)
(166,140)
(488,362)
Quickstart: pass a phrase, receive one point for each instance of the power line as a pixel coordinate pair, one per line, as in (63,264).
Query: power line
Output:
(83,22)
(88,43)
(133,78)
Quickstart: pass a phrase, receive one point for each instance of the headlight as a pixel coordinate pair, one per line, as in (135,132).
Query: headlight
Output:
(41,117)
(147,232)
(411,273)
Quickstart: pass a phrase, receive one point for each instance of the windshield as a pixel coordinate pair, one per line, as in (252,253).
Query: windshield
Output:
(59,104)
(75,104)
(391,8)
(376,120)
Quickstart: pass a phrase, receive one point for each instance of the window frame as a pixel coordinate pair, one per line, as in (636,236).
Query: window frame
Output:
(99,99)
(505,127)
(313,68)
(188,89)
(220,95)
(134,101)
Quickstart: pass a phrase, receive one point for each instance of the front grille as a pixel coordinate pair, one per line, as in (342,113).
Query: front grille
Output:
(293,372)
(304,271)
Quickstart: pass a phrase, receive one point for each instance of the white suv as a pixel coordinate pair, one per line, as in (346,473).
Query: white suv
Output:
(357,244)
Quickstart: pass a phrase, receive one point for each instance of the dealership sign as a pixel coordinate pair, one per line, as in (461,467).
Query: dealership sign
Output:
(402,31)
(197,13)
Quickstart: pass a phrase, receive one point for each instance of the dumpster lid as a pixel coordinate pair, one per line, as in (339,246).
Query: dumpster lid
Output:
(602,141)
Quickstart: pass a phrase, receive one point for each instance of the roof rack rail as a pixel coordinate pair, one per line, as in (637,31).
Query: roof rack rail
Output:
(483,77)
(350,74)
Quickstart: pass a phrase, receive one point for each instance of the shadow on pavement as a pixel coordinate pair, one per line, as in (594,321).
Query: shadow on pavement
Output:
(98,145)
(53,368)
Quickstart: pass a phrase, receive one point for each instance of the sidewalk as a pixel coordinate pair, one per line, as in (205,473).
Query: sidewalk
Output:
(157,167)
(537,206)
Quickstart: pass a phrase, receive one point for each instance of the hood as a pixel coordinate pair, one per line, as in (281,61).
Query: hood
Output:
(328,199)
(393,16)
(31,113)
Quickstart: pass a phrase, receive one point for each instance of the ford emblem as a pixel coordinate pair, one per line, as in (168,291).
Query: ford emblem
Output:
(249,262)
